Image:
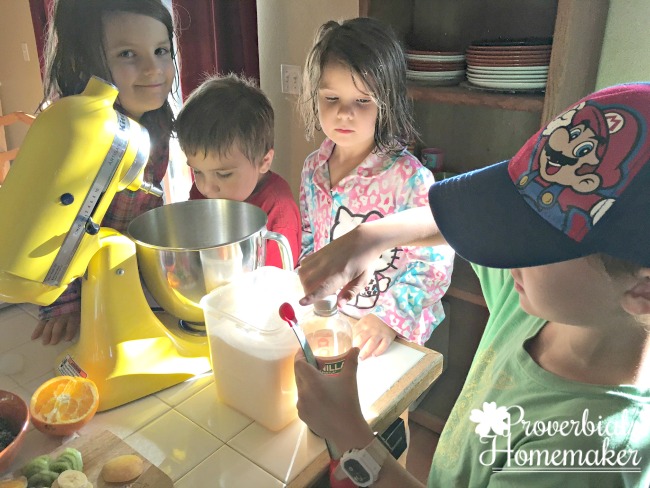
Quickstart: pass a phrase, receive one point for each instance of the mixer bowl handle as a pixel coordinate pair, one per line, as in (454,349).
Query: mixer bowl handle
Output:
(285,249)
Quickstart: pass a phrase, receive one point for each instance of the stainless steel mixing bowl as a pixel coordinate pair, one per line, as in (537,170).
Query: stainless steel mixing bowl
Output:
(186,249)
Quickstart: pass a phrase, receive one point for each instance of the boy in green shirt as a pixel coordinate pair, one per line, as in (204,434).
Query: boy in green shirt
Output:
(559,390)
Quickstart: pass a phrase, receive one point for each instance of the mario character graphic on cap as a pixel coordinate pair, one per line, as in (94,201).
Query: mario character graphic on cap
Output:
(579,165)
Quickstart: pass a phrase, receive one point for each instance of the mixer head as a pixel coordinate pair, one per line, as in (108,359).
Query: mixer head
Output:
(77,154)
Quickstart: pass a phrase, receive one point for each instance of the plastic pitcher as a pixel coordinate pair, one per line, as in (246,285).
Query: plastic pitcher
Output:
(251,348)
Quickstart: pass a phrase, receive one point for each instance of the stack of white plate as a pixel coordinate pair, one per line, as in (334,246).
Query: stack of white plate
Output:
(509,64)
(435,67)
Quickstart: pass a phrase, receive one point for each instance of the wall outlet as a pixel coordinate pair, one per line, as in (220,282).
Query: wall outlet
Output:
(290,75)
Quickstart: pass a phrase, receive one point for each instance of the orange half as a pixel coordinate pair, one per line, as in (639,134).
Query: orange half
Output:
(64,404)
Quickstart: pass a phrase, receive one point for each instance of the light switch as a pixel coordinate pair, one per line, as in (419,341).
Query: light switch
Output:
(25,49)
(290,78)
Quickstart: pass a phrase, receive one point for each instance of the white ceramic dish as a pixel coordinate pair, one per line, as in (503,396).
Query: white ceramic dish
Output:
(506,77)
(507,63)
(454,80)
(432,53)
(435,78)
(508,69)
(445,59)
(435,67)
(511,84)
(437,82)
(446,81)
(434,74)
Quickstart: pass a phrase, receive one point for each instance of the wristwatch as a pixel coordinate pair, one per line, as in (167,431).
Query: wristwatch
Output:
(362,466)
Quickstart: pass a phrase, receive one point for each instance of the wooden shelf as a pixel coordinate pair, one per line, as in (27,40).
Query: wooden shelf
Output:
(468,296)
(456,95)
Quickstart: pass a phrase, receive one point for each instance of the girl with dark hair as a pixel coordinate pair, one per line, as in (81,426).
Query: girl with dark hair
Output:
(128,43)
(354,90)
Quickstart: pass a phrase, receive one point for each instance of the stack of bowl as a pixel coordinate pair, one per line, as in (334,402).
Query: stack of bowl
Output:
(435,67)
(512,65)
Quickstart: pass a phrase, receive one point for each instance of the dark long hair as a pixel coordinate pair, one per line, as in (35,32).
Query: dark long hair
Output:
(373,54)
(74,51)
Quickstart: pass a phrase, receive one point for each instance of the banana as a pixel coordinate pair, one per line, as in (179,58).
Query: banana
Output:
(72,479)
(56,485)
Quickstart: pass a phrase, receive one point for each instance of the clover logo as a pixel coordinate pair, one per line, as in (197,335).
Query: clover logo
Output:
(491,418)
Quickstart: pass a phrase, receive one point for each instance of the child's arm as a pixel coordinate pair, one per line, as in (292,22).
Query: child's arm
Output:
(329,404)
(345,264)
(60,320)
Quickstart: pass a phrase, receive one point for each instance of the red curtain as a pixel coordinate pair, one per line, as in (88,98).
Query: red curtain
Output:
(216,36)
(40,10)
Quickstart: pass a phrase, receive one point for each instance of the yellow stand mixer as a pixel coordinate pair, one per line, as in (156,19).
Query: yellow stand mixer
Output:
(77,154)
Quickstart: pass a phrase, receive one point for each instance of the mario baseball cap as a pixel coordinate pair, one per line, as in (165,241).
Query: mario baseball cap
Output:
(580,186)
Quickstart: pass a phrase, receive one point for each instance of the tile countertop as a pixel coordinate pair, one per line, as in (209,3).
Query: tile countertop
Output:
(192,437)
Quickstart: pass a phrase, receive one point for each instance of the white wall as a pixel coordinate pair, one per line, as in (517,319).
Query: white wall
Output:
(286,30)
(20,81)
(626,48)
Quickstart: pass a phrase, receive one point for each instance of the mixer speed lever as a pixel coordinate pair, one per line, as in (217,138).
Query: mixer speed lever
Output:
(92,228)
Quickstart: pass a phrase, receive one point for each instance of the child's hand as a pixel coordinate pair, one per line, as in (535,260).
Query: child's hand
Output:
(372,336)
(329,404)
(53,330)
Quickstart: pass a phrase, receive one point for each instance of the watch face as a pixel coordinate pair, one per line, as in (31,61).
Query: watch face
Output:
(356,472)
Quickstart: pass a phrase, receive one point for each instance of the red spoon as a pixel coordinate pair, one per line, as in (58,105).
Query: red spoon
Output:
(289,316)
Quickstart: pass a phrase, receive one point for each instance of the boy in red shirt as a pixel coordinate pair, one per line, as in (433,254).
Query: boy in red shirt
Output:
(226,131)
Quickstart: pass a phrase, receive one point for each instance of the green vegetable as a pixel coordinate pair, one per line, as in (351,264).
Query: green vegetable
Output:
(42,471)
(59,466)
(72,456)
(36,465)
(44,479)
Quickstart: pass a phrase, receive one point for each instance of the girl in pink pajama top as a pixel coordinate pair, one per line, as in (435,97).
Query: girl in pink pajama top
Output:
(354,89)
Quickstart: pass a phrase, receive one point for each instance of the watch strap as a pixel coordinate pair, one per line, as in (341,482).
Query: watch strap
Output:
(377,450)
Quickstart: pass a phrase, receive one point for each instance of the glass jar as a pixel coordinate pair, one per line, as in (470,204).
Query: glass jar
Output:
(328,333)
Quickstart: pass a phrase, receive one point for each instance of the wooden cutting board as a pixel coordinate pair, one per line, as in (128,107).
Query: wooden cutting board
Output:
(99,448)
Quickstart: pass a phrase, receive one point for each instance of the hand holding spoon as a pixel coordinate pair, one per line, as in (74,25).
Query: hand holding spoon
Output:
(289,316)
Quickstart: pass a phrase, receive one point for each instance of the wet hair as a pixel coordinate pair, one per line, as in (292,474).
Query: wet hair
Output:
(372,53)
(74,51)
(225,111)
